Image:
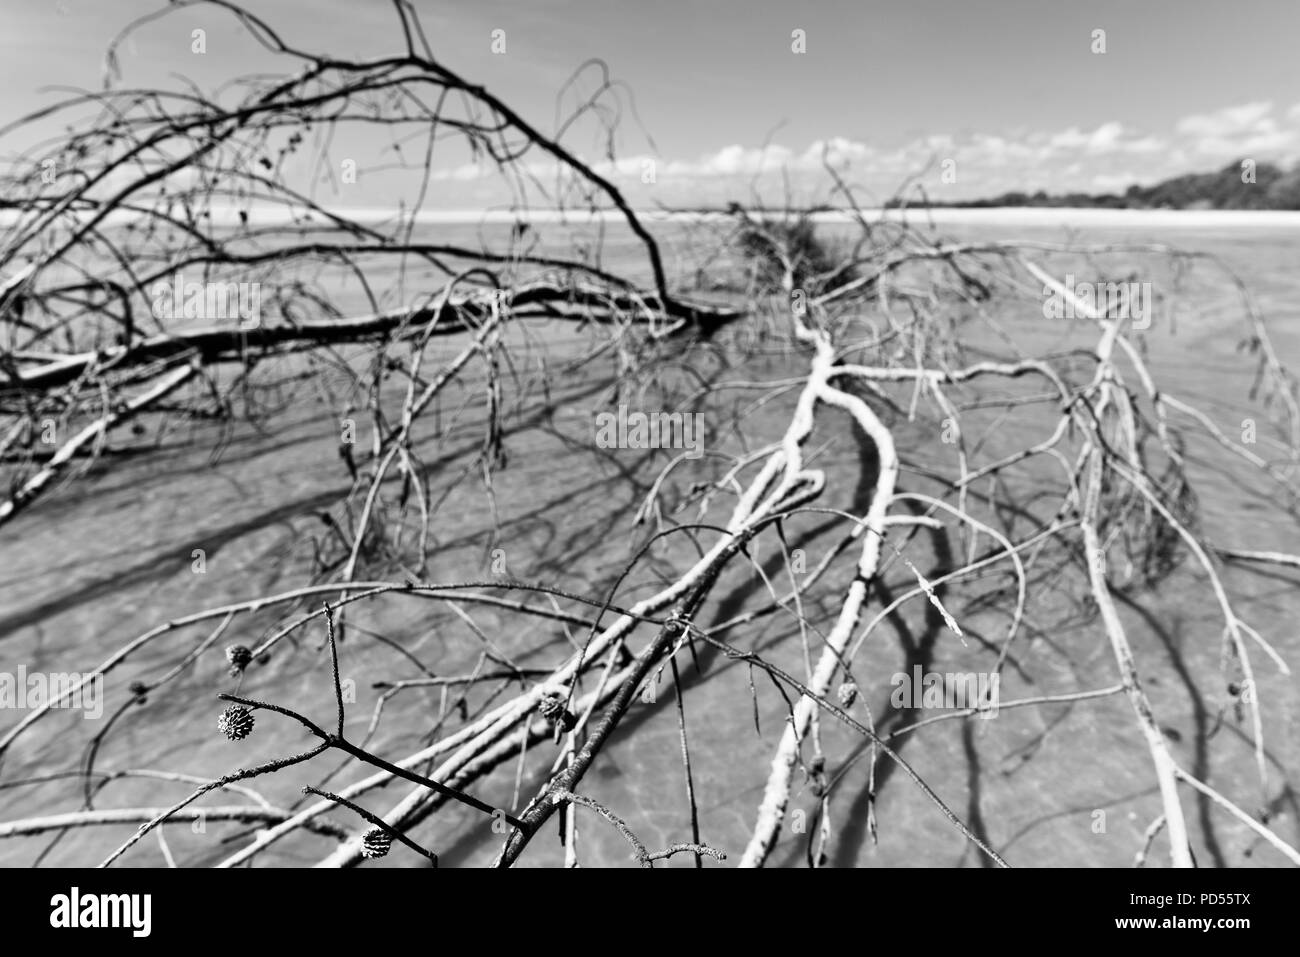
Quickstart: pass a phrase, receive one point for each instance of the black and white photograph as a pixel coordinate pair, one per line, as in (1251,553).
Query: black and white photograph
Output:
(585,434)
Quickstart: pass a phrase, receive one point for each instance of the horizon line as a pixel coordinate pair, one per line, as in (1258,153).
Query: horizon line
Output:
(939,215)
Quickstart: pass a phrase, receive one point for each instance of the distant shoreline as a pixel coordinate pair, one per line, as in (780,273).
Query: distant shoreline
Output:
(919,216)
(1022,215)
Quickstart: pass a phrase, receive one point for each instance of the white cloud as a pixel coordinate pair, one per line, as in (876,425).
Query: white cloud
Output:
(1246,130)
(837,151)
(1107,158)
(1105,139)
(1231,120)
(734,160)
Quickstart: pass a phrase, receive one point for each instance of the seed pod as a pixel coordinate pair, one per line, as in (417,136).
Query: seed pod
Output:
(235,723)
(551,707)
(847,693)
(376,843)
(239,656)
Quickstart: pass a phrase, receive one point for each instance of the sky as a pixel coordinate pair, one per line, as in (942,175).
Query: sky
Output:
(742,98)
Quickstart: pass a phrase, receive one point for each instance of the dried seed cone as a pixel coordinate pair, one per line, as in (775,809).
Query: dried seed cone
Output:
(239,657)
(848,693)
(376,843)
(552,709)
(235,723)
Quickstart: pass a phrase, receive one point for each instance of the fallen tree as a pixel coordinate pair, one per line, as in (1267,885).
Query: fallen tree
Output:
(871,331)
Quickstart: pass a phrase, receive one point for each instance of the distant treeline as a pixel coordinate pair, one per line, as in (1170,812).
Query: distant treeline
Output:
(1229,188)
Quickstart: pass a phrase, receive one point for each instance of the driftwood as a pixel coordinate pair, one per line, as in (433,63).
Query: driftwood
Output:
(867,331)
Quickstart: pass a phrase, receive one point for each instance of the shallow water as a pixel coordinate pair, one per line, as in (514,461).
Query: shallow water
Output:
(111,556)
